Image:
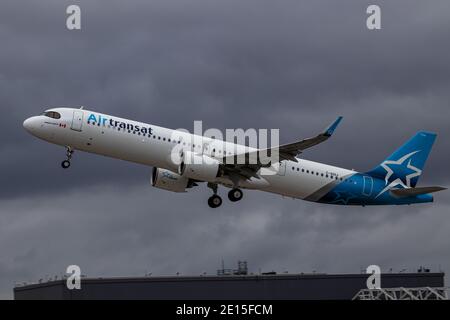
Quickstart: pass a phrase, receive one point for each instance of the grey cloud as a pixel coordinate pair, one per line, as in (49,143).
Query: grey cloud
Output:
(138,234)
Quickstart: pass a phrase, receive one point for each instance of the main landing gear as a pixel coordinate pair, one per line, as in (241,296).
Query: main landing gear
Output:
(235,194)
(215,200)
(66,163)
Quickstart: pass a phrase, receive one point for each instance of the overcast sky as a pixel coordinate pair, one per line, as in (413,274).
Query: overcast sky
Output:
(293,65)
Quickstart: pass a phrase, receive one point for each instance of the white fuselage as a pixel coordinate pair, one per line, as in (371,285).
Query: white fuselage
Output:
(153,145)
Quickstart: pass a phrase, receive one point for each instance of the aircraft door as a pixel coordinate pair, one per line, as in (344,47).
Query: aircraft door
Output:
(281,168)
(368,186)
(77,120)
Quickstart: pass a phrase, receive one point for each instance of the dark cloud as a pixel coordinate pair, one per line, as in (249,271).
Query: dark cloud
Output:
(293,65)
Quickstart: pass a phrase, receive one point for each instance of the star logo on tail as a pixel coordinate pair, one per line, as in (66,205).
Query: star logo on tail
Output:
(403,175)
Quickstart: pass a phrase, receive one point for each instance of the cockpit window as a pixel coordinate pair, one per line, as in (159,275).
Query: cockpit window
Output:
(52,114)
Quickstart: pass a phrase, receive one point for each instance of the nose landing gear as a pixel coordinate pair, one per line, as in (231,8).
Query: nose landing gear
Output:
(66,163)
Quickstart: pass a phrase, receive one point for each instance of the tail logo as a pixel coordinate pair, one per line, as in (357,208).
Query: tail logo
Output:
(400,171)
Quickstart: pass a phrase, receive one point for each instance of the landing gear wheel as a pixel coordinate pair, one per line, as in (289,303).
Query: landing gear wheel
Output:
(235,194)
(65,164)
(214,201)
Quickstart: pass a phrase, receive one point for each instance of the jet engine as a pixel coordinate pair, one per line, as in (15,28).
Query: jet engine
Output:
(198,167)
(168,180)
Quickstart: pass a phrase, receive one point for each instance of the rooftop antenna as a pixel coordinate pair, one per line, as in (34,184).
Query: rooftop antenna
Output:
(82,107)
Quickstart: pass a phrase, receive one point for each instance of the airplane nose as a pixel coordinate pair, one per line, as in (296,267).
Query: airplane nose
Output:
(28,124)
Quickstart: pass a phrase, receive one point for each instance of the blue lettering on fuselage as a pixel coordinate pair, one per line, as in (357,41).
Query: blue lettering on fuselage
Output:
(92,118)
(101,120)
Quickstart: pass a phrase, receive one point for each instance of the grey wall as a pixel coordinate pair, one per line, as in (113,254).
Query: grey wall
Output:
(226,287)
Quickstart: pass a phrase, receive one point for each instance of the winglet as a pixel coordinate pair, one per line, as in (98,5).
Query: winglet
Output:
(329,131)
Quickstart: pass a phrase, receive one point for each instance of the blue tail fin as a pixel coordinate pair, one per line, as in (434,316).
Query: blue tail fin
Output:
(406,163)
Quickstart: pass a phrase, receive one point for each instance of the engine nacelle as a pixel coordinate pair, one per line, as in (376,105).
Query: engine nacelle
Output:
(198,167)
(168,180)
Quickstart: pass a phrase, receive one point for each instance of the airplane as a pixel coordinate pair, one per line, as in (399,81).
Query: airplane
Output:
(392,182)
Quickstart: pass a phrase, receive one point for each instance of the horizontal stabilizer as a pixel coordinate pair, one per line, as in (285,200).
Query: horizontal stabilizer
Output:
(410,192)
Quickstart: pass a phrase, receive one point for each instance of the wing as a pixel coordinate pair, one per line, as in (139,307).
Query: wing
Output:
(290,150)
(285,152)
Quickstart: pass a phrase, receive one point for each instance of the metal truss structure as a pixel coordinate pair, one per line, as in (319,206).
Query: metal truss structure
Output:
(401,293)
